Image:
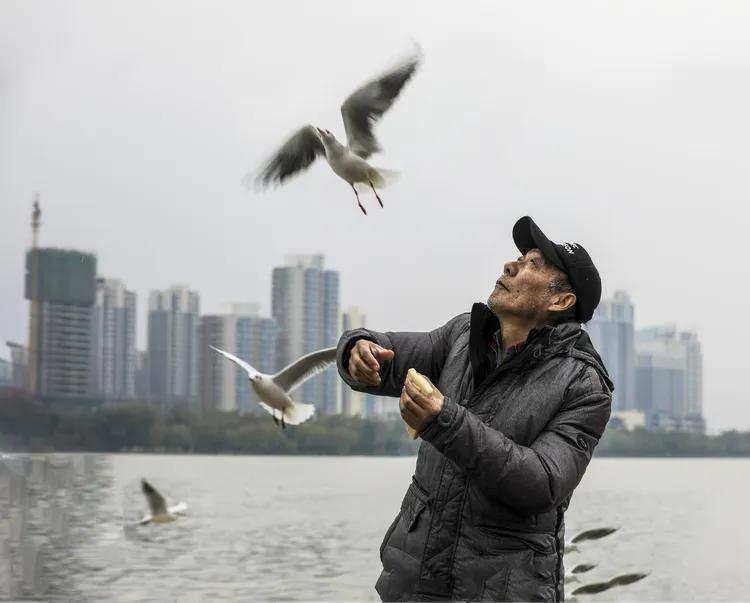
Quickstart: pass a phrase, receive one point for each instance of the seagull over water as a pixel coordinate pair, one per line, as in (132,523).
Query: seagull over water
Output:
(274,390)
(599,587)
(160,513)
(573,575)
(360,111)
(592,534)
(593,588)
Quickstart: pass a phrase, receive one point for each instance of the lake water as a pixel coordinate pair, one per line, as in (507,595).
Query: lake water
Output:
(309,528)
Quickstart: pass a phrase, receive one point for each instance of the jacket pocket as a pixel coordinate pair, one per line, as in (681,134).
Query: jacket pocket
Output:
(417,499)
(388,534)
(499,540)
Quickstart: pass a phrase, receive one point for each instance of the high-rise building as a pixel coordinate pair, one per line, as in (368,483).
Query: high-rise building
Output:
(60,285)
(113,360)
(353,403)
(305,304)
(19,359)
(612,332)
(693,376)
(215,391)
(224,386)
(141,375)
(173,322)
(669,378)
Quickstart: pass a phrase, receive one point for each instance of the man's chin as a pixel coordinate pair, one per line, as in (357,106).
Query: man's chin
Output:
(500,304)
(493,303)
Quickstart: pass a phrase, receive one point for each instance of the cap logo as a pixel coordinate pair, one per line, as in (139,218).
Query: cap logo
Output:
(570,247)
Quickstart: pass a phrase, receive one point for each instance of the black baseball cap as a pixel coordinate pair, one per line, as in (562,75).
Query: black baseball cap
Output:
(571,258)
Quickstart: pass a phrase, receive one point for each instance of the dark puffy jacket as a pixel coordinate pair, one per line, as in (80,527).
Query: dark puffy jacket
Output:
(483,516)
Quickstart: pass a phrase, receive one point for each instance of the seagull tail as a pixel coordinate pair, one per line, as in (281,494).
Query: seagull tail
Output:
(251,182)
(298,413)
(293,415)
(381,177)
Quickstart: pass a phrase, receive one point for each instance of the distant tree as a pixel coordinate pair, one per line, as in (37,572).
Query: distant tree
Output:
(26,425)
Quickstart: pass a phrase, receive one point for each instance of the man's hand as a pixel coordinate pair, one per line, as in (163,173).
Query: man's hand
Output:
(364,361)
(418,409)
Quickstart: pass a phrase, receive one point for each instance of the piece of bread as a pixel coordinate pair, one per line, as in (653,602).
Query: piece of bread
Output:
(419,381)
(423,385)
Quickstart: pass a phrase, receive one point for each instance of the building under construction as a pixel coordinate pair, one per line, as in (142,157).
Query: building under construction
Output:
(61,286)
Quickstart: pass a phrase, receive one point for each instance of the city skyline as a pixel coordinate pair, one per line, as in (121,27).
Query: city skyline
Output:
(657,370)
(178,366)
(264,309)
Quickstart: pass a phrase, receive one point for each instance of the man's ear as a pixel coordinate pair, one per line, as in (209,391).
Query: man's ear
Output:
(559,302)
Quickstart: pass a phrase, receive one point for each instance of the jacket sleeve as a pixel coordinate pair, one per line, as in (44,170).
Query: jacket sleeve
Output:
(426,352)
(527,479)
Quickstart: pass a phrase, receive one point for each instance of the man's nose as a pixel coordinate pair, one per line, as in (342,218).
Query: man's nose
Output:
(510,268)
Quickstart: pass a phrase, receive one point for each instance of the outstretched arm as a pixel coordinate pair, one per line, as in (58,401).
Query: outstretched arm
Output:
(376,363)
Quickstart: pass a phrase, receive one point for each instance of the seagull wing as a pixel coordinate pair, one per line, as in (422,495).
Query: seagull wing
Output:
(251,372)
(627,578)
(295,155)
(591,589)
(594,534)
(598,587)
(156,502)
(302,369)
(583,567)
(366,105)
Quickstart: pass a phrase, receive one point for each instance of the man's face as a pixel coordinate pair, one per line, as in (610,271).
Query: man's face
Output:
(523,289)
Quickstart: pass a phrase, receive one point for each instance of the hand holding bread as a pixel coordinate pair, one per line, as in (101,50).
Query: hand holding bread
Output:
(420,402)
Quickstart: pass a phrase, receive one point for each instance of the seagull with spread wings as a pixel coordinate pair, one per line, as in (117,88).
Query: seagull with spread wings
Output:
(360,111)
(573,575)
(591,534)
(157,505)
(274,390)
(599,587)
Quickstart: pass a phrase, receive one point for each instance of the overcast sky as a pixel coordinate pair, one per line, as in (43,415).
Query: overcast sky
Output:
(623,126)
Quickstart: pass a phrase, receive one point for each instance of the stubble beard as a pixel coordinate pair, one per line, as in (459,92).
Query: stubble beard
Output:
(497,308)
(494,305)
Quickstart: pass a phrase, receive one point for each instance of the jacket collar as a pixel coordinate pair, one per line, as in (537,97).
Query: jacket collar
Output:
(483,325)
(564,338)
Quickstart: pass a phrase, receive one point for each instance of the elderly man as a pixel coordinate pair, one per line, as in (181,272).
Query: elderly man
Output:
(520,400)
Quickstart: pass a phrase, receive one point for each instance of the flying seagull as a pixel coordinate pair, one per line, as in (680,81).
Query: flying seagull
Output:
(573,574)
(592,534)
(360,111)
(160,513)
(274,390)
(598,587)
